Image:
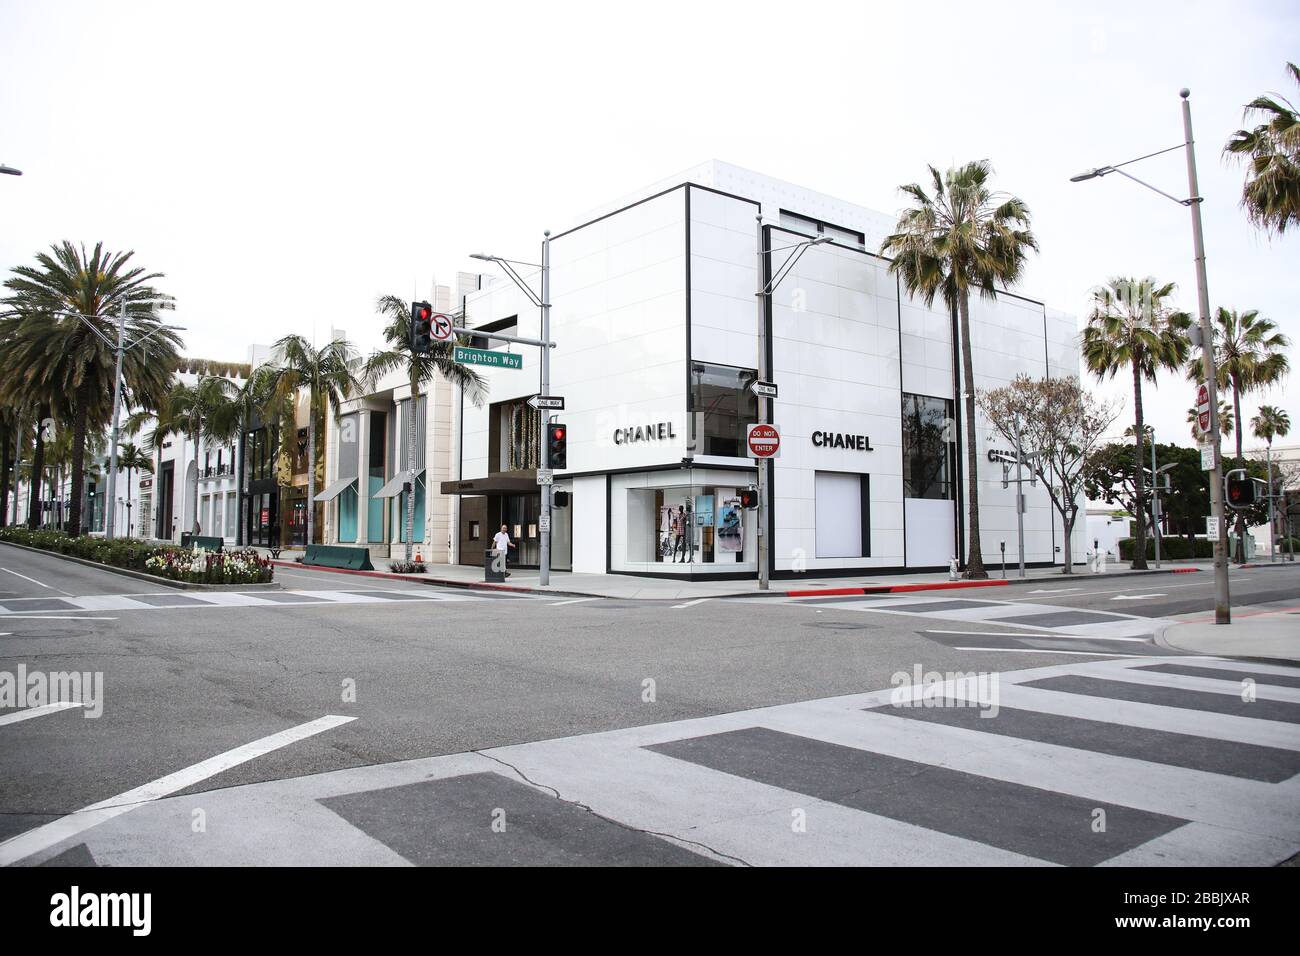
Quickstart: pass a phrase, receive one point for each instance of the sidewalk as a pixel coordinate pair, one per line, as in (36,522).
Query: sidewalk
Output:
(626,586)
(1272,634)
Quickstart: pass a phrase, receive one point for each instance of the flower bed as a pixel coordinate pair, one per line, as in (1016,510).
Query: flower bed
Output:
(177,564)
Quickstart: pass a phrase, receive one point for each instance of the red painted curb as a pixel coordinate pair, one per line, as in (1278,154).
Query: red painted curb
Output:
(1183,570)
(484,586)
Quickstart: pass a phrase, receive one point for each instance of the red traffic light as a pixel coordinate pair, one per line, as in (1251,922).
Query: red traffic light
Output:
(423,313)
(557,433)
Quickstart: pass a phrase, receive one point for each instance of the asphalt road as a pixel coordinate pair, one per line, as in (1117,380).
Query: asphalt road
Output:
(428,671)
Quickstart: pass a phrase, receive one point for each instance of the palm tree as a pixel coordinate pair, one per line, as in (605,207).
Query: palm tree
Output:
(1271,422)
(1133,325)
(1271,195)
(210,408)
(963,238)
(1249,355)
(1225,420)
(133,458)
(52,354)
(420,371)
(328,374)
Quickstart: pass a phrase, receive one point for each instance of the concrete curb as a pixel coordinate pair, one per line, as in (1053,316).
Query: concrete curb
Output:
(1159,638)
(809,592)
(144,576)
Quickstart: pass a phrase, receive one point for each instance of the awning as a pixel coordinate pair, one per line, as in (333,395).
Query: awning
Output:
(502,483)
(334,490)
(394,486)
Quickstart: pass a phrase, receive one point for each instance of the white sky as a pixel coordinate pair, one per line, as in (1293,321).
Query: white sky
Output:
(284,164)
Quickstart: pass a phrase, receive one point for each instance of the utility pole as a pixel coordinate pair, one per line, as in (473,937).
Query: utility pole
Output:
(1222,598)
(1272,518)
(1019,460)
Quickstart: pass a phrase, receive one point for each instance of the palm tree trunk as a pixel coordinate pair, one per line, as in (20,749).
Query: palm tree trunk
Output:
(410,465)
(1237,427)
(5,465)
(311,476)
(975,555)
(38,470)
(194,505)
(78,459)
(1139,480)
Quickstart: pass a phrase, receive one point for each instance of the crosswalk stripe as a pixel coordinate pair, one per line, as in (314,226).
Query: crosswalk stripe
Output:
(1229,684)
(175,600)
(31,712)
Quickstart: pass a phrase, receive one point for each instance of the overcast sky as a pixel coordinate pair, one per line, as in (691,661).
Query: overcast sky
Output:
(284,164)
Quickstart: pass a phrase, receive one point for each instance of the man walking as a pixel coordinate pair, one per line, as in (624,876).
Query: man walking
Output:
(501,542)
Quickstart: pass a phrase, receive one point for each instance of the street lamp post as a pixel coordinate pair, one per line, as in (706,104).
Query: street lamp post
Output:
(1222,599)
(762,296)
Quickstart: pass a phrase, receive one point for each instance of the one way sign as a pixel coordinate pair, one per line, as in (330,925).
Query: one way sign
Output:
(552,402)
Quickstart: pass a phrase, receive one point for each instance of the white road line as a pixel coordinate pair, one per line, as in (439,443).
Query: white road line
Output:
(1068,637)
(26,578)
(38,616)
(573,601)
(691,603)
(43,837)
(31,712)
(1034,650)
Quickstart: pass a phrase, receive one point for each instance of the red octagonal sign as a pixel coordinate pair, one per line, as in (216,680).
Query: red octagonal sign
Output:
(763,441)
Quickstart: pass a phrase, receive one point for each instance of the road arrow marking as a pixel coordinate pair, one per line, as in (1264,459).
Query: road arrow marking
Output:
(1135,597)
(1052,590)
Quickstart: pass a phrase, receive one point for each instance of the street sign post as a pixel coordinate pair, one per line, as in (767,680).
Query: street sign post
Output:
(440,326)
(468,356)
(1207,458)
(545,476)
(549,402)
(763,441)
(764,389)
(1211,527)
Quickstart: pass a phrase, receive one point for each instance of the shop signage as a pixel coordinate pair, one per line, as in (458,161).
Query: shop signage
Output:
(659,431)
(468,356)
(842,440)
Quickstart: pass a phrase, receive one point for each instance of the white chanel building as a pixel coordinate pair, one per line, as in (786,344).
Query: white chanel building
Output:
(655,321)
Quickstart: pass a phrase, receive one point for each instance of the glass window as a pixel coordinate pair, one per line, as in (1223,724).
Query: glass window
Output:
(722,405)
(928,448)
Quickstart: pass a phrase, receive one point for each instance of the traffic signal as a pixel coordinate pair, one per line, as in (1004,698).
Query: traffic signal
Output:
(749,497)
(1241,492)
(557,445)
(421,328)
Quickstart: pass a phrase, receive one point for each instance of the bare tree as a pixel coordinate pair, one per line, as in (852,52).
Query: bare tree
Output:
(1060,426)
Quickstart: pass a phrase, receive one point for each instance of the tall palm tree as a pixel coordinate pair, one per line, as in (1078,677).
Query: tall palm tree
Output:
(420,371)
(329,374)
(1134,326)
(49,353)
(1249,355)
(1225,420)
(1272,422)
(210,408)
(1271,194)
(133,458)
(963,238)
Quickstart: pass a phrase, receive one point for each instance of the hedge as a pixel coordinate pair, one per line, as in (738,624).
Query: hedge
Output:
(1172,549)
(178,564)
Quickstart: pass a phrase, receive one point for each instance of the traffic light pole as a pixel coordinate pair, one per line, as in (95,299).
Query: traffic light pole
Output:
(544,418)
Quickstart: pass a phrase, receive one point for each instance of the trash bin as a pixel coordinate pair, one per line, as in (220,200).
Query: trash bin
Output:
(494,565)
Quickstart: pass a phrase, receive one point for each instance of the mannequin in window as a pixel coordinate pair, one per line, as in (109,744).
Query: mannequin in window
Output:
(679,532)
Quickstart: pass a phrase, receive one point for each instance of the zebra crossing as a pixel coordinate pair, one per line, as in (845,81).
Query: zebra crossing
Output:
(1046,619)
(171,600)
(1129,762)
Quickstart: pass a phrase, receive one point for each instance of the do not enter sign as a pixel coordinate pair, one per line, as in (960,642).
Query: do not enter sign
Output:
(1203,408)
(763,441)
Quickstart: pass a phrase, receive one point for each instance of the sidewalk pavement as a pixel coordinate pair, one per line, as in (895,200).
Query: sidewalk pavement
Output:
(626,586)
(1274,635)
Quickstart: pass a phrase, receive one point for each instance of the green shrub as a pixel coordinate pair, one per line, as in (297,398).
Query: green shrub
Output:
(178,564)
(1173,549)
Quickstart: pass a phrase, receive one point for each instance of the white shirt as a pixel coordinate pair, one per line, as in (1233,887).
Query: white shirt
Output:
(501,541)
